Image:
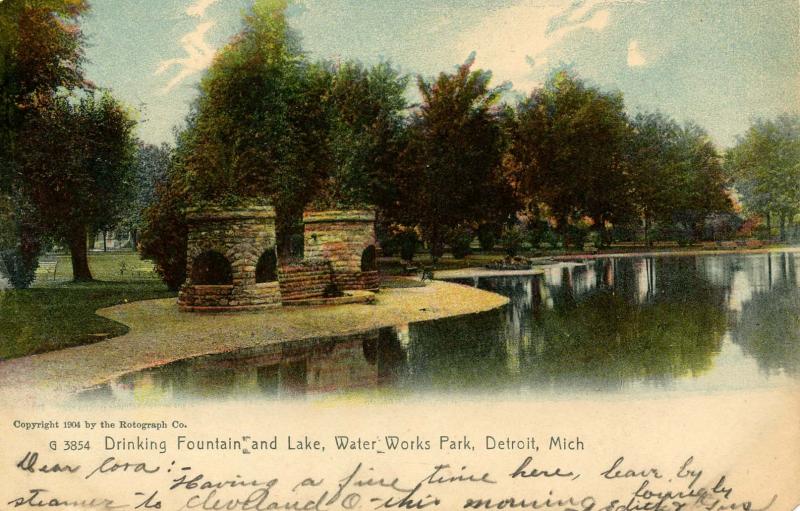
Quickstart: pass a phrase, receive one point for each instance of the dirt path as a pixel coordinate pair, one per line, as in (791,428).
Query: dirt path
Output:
(160,334)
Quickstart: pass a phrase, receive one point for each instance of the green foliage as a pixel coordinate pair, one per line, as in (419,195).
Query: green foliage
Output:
(576,236)
(487,235)
(459,240)
(40,52)
(408,241)
(259,126)
(164,235)
(452,168)
(76,156)
(21,267)
(365,135)
(512,239)
(765,167)
(569,147)
(678,177)
(151,168)
(269,123)
(536,232)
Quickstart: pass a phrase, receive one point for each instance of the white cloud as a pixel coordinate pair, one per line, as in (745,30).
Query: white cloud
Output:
(514,42)
(198,8)
(199,55)
(635,56)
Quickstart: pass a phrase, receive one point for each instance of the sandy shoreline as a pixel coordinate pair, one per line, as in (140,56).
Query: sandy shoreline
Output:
(160,334)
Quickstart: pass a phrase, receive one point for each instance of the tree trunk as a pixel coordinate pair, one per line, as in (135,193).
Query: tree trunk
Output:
(105,246)
(79,255)
(769,226)
(783,227)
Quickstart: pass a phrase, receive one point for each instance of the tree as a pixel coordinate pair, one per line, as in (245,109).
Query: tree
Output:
(270,124)
(452,166)
(259,127)
(151,168)
(366,136)
(569,145)
(765,168)
(40,52)
(653,162)
(700,183)
(76,157)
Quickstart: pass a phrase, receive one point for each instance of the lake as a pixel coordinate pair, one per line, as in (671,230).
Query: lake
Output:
(609,326)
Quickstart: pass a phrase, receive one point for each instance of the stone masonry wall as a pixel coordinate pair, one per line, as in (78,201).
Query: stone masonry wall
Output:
(241,236)
(341,237)
(304,280)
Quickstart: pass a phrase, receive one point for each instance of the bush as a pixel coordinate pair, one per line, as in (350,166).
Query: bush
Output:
(408,244)
(682,234)
(460,239)
(20,267)
(624,232)
(551,238)
(487,236)
(537,230)
(512,240)
(576,236)
(164,236)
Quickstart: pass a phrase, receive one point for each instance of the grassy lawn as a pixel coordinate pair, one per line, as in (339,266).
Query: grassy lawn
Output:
(105,266)
(56,314)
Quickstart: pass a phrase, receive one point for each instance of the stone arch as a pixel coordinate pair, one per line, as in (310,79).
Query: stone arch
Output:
(369,261)
(211,268)
(267,267)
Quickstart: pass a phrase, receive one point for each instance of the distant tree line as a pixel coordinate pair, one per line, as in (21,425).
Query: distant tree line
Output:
(563,165)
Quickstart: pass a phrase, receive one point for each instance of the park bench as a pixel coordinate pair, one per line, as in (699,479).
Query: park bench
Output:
(144,271)
(427,273)
(47,268)
(410,269)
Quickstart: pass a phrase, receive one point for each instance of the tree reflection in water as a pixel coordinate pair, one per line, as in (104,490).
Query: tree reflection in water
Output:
(609,324)
(768,326)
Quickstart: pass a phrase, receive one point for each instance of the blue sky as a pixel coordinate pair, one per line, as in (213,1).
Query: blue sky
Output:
(719,63)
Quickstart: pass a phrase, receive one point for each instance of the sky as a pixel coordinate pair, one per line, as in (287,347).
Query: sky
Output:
(719,63)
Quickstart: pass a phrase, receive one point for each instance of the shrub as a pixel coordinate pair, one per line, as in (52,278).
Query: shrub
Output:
(551,238)
(487,236)
(20,267)
(576,236)
(682,234)
(536,232)
(512,240)
(460,239)
(164,236)
(408,244)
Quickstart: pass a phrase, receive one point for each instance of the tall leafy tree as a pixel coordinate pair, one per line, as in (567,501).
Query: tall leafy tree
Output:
(452,165)
(260,126)
(41,50)
(653,158)
(701,182)
(271,124)
(765,167)
(366,135)
(76,157)
(151,169)
(40,53)
(569,145)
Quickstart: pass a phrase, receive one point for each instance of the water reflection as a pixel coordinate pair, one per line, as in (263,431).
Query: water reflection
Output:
(618,325)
